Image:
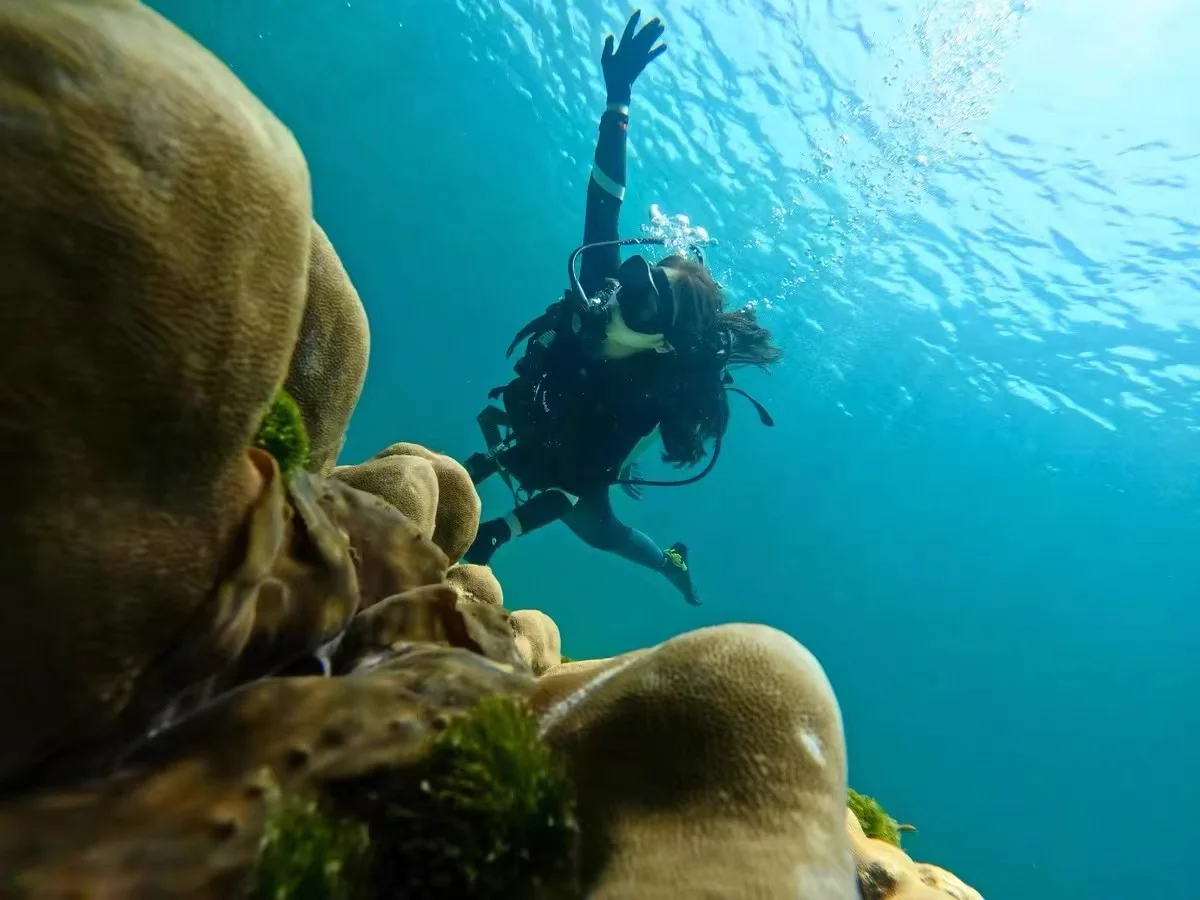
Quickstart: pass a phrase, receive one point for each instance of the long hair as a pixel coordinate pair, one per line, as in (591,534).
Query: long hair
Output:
(696,405)
(698,297)
(752,344)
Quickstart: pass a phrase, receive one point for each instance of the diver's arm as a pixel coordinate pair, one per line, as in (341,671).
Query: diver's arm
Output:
(605,191)
(641,447)
(606,188)
(629,475)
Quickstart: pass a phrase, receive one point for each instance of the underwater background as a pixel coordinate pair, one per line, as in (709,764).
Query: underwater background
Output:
(974,226)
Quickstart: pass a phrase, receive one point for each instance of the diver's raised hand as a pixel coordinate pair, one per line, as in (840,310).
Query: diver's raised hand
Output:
(633,54)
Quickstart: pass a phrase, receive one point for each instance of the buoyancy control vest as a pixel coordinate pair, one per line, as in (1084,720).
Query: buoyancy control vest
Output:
(587,412)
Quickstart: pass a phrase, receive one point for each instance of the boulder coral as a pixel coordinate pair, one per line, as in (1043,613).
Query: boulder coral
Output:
(329,363)
(155,225)
(743,791)
(408,483)
(156,230)
(476,584)
(537,638)
(458,503)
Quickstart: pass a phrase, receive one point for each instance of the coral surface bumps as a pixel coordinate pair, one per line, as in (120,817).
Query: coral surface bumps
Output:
(155,225)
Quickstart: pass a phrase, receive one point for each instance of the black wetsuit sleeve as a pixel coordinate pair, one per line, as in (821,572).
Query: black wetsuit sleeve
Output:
(605,191)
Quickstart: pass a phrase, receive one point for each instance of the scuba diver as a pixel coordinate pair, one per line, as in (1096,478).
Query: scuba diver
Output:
(634,352)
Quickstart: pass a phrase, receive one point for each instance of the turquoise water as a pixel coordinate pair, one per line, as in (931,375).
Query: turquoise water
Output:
(974,226)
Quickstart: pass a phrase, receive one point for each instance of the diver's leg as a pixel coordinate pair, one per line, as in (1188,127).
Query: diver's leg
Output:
(480,466)
(537,512)
(593,520)
(491,419)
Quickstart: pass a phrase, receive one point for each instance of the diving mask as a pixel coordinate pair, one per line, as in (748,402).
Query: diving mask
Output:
(580,297)
(647,302)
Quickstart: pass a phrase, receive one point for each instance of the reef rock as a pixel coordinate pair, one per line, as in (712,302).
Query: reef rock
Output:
(411,771)
(155,236)
(295,589)
(946,882)
(433,615)
(712,765)
(185,815)
(885,872)
(330,360)
(458,503)
(537,639)
(392,555)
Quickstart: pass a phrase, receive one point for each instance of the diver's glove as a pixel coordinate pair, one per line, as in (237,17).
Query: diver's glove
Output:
(634,53)
(632,473)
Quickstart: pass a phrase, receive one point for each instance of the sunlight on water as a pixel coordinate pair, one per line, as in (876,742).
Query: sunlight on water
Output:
(968,187)
(953,77)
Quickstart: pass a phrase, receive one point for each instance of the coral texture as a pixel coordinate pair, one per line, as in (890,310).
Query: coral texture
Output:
(408,483)
(458,503)
(743,794)
(155,224)
(537,639)
(477,584)
(329,363)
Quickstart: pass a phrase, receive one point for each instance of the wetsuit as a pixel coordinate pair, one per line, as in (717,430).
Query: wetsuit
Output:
(609,411)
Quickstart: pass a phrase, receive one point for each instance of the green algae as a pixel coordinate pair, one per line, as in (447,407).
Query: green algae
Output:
(874,821)
(488,813)
(282,434)
(308,853)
